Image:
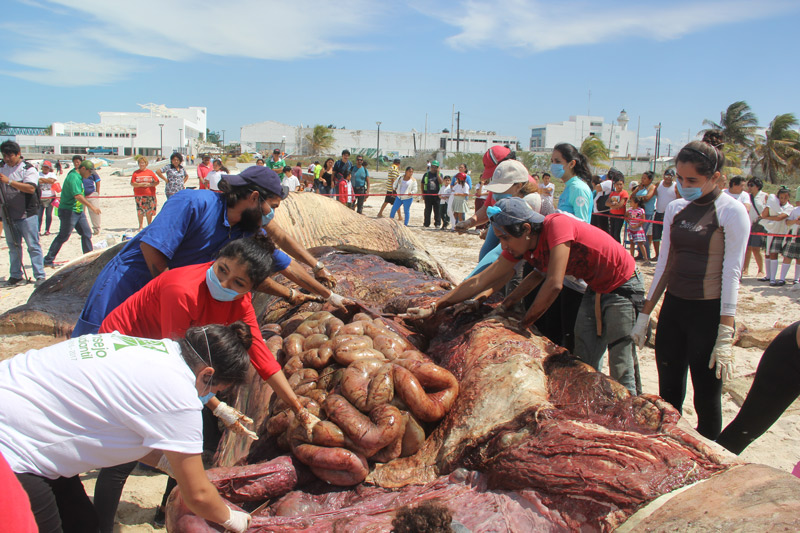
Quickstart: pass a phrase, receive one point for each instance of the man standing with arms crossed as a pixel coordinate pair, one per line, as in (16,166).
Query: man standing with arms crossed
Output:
(19,180)
(70,212)
(431,182)
(276,162)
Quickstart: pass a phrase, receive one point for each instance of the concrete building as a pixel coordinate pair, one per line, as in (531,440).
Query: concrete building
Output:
(265,136)
(142,133)
(616,136)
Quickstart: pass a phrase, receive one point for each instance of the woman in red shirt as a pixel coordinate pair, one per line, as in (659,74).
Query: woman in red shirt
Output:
(556,246)
(196,295)
(144,183)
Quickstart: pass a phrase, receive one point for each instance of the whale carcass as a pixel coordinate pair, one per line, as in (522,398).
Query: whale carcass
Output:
(534,440)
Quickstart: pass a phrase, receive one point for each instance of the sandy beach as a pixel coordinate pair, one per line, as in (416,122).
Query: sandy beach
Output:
(760,306)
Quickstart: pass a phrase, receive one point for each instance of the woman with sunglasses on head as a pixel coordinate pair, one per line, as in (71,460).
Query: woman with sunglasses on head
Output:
(95,401)
(556,246)
(700,264)
(196,295)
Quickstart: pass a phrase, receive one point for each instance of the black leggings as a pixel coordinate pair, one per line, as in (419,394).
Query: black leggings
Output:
(775,387)
(616,229)
(59,505)
(685,338)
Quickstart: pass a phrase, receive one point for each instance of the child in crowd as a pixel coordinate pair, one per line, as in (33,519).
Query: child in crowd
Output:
(460,194)
(346,195)
(444,201)
(289,179)
(791,248)
(636,233)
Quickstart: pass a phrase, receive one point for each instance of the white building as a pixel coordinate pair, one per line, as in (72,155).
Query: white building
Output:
(620,141)
(264,137)
(157,129)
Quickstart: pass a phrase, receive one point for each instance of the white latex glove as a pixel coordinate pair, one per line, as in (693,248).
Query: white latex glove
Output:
(239,522)
(164,466)
(722,356)
(418,313)
(234,420)
(639,331)
(308,421)
(337,299)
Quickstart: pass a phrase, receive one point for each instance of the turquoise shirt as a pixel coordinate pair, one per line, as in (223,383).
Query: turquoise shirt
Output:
(577,199)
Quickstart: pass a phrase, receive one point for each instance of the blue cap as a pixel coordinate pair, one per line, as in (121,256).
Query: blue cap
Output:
(264,177)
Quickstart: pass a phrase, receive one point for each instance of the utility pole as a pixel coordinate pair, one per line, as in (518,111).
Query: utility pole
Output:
(425,139)
(658,146)
(458,131)
(378,150)
(638,125)
(452,126)
(161,150)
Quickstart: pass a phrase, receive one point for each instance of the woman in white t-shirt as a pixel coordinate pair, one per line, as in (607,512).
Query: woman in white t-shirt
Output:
(95,401)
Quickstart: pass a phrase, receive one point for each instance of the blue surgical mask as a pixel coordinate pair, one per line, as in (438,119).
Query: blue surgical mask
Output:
(266,219)
(218,292)
(498,196)
(690,193)
(556,170)
(206,398)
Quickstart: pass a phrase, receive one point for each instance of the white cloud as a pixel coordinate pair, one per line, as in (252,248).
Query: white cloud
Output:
(537,25)
(110,34)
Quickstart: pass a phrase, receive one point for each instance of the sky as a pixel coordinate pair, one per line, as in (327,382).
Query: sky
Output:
(506,65)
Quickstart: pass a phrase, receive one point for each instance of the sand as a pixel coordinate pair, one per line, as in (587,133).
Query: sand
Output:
(760,306)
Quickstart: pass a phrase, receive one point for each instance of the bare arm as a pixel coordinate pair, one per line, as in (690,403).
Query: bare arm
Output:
(475,285)
(27,188)
(82,199)
(530,282)
(284,391)
(156,261)
(161,175)
(298,274)
(200,496)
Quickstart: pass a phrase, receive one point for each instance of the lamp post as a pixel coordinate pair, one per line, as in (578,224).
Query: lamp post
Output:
(161,150)
(658,146)
(223,142)
(378,150)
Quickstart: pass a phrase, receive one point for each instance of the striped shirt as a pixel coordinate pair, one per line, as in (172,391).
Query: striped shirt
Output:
(394,173)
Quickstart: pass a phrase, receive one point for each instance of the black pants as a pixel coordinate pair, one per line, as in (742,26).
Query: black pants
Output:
(601,221)
(432,205)
(111,481)
(443,214)
(775,387)
(685,338)
(616,228)
(558,322)
(59,505)
(360,197)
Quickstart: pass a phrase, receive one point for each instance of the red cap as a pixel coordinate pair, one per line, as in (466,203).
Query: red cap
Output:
(492,158)
(461,176)
(47,164)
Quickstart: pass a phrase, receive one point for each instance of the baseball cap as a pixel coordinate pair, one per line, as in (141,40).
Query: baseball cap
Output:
(434,163)
(88,165)
(492,158)
(264,177)
(47,164)
(507,174)
(634,184)
(513,210)
(276,151)
(669,172)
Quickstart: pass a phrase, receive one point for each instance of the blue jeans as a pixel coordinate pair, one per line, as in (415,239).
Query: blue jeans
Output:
(70,219)
(28,229)
(46,207)
(618,316)
(406,208)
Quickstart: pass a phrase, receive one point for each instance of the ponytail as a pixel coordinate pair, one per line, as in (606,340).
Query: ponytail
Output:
(570,153)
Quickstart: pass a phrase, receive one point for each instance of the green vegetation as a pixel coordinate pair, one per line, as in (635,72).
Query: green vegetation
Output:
(778,153)
(595,152)
(320,139)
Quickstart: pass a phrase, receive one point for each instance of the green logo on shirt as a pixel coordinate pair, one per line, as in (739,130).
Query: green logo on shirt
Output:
(150,344)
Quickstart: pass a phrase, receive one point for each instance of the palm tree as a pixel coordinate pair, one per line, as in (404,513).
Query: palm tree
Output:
(738,125)
(594,150)
(779,152)
(320,139)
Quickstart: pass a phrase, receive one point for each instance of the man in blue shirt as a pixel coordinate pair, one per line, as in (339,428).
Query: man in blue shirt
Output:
(190,229)
(340,168)
(359,177)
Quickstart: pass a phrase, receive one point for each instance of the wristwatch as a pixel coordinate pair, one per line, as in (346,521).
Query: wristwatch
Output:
(319,266)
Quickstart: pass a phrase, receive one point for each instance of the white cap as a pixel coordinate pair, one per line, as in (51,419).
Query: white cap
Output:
(507,174)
